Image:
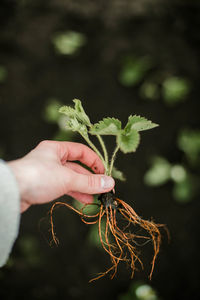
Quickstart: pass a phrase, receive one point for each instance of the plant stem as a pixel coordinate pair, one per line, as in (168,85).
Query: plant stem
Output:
(112,160)
(104,150)
(86,138)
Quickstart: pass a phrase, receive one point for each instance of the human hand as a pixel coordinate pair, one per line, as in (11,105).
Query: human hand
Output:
(48,172)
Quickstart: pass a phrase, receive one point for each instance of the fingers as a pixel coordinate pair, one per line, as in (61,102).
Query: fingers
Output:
(77,168)
(87,184)
(83,198)
(70,151)
(75,151)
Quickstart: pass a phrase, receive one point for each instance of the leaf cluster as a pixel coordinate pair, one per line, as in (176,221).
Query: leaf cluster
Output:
(127,138)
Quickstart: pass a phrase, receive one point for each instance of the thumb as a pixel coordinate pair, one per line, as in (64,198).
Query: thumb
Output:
(90,184)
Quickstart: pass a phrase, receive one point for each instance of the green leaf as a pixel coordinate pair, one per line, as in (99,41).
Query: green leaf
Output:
(93,235)
(69,42)
(178,173)
(149,91)
(139,123)
(51,113)
(189,143)
(117,174)
(159,173)
(68,111)
(87,209)
(183,191)
(74,125)
(80,113)
(134,70)
(83,130)
(175,90)
(76,112)
(108,126)
(128,142)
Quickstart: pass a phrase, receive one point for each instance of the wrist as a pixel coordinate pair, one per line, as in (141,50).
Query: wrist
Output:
(23,174)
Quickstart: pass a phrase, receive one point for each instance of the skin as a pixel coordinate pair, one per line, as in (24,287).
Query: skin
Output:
(49,171)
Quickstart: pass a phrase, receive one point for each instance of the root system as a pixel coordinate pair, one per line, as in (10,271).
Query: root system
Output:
(124,232)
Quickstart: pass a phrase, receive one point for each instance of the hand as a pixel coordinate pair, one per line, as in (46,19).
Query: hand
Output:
(48,172)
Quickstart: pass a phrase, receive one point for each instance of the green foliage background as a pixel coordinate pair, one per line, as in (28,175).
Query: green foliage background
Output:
(120,57)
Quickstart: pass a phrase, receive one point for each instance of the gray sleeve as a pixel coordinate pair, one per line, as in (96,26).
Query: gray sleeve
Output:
(9,211)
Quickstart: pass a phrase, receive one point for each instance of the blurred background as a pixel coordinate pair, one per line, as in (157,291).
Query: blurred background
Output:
(120,57)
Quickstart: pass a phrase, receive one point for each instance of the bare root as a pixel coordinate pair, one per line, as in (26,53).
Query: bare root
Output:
(119,241)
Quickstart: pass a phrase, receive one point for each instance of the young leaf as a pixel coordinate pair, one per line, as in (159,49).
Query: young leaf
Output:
(117,174)
(139,123)
(80,113)
(108,126)
(76,112)
(74,125)
(68,111)
(83,130)
(128,142)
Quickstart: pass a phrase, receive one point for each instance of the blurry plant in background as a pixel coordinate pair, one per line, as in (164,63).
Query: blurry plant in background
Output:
(3,73)
(30,251)
(161,171)
(189,143)
(150,90)
(154,45)
(134,70)
(51,114)
(175,90)
(29,254)
(69,43)
(139,291)
(172,89)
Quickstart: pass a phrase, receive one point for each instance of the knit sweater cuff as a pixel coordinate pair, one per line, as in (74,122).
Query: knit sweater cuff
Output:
(9,211)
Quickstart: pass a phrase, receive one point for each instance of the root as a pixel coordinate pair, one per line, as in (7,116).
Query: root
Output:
(83,216)
(120,242)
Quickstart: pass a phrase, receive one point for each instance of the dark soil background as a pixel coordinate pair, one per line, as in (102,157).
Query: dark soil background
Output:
(169,33)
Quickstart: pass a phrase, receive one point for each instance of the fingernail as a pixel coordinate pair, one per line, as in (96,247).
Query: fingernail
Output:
(107,182)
